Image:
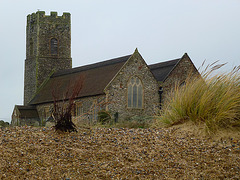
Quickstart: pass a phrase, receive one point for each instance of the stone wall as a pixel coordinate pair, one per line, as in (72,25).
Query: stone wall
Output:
(25,121)
(116,91)
(44,112)
(22,121)
(30,79)
(91,105)
(183,69)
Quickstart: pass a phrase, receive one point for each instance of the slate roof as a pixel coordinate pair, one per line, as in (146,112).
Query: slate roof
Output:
(27,111)
(162,70)
(95,79)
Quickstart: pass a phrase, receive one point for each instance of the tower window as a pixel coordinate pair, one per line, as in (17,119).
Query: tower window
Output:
(54,46)
(135,93)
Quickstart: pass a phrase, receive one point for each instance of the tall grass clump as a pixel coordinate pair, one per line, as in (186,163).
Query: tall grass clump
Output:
(212,99)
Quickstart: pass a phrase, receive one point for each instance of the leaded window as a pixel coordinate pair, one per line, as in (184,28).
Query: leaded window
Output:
(54,46)
(135,93)
(79,109)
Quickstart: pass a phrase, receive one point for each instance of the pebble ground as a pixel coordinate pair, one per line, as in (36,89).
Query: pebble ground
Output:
(116,153)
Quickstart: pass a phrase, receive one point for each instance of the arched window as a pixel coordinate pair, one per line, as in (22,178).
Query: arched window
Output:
(135,93)
(54,46)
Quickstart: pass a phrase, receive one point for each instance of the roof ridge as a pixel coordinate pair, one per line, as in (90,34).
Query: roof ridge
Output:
(162,69)
(165,62)
(91,66)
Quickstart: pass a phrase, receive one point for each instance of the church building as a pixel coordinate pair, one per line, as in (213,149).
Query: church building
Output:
(124,86)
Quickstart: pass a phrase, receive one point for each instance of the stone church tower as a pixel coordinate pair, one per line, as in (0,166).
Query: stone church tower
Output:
(48,49)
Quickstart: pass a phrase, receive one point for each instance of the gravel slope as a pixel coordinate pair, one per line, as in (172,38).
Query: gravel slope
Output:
(112,153)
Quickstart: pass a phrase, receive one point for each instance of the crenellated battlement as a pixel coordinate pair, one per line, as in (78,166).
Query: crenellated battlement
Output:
(52,17)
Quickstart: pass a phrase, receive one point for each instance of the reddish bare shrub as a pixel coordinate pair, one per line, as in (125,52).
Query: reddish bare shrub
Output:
(63,107)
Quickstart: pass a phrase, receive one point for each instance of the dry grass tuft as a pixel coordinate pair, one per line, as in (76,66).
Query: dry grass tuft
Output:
(213,100)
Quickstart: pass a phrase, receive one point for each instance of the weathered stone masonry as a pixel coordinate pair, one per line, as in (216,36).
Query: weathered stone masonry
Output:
(90,107)
(116,91)
(183,69)
(39,61)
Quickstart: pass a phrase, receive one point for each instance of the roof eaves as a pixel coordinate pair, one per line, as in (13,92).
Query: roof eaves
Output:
(25,107)
(44,102)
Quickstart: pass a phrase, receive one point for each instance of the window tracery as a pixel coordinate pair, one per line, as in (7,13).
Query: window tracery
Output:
(135,93)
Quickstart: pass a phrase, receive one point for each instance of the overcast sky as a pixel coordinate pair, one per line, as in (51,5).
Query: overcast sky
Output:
(104,29)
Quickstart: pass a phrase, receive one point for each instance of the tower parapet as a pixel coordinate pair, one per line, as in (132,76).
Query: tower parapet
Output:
(42,15)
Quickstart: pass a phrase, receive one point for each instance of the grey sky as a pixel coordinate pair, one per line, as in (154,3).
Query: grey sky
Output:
(104,29)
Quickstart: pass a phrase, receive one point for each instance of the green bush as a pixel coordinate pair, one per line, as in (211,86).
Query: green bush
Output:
(213,100)
(104,117)
(3,124)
